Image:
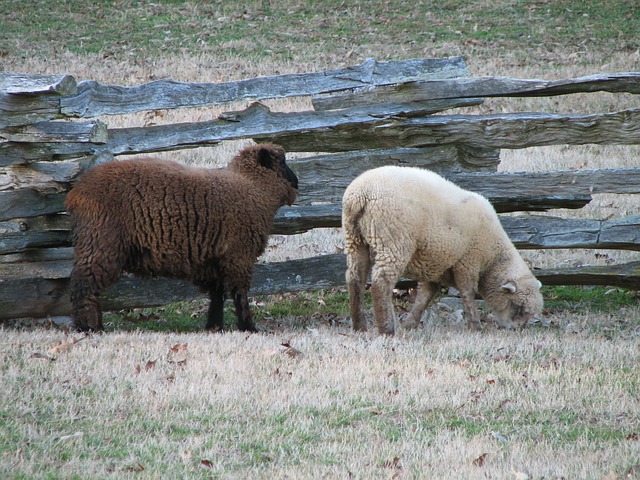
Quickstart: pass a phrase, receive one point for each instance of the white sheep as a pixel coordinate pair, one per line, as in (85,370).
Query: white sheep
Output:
(409,221)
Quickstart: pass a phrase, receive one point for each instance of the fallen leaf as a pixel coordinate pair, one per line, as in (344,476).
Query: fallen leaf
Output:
(150,364)
(43,356)
(134,468)
(59,348)
(473,41)
(395,463)
(289,350)
(475,395)
(478,462)
(64,346)
(278,373)
(178,347)
(206,464)
(138,369)
(501,358)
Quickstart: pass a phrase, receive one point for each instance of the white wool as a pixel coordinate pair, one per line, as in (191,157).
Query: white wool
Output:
(413,222)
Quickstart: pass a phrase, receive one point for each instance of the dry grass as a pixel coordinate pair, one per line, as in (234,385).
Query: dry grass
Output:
(441,402)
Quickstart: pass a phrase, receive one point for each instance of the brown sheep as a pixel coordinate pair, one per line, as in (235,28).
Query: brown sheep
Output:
(153,217)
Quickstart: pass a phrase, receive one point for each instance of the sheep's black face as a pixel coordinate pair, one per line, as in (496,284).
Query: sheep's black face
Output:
(289,176)
(273,158)
(292,180)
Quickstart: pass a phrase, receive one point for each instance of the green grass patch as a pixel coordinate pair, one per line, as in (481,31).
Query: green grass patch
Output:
(181,317)
(559,428)
(285,29)
(294,310)
(301,310)
(581,298)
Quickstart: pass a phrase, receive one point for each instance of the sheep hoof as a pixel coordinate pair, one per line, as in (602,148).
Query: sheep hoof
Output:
(83,327)
(389,330)
(248,328)
(474,326)
(410,324)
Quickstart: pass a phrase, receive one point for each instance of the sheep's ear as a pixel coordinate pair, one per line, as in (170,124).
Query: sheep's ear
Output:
(265,158)
(509,287)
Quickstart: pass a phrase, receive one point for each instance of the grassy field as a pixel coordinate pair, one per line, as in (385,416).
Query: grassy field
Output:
(157,398)
(322,402)
(285,30)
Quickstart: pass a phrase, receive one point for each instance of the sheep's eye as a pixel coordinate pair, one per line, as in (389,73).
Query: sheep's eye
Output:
(518,310)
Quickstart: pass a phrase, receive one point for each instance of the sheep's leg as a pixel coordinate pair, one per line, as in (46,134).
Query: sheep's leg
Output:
(426,292)
(245,322)
(86,312)
(358,266)
(87,281)
(215,316)
(382,282)
(470,308)
(466,283)
(99,262)
(468,296)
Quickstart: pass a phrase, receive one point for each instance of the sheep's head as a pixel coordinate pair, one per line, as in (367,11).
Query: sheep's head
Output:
(272,158)
(515,301)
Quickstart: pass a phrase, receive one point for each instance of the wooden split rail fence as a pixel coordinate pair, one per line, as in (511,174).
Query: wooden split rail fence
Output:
(363,116)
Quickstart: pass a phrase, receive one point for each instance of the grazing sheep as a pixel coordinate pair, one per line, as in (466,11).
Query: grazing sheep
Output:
(403,220)
(153,217)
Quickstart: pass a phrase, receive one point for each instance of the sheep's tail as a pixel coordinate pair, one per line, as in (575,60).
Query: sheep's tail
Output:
(353,209)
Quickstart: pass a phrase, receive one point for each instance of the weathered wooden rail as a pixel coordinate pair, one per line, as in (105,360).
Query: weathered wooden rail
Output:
(365,116)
